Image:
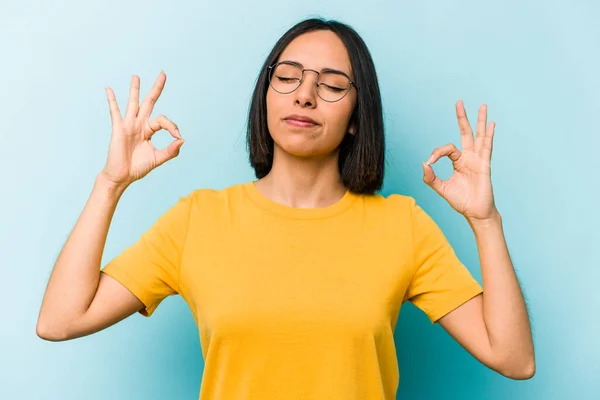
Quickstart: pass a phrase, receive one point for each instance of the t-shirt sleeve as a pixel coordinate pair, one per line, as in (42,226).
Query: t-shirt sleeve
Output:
(149,268)
(441,282)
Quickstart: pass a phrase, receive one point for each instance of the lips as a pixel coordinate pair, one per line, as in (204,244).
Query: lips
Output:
(300,120)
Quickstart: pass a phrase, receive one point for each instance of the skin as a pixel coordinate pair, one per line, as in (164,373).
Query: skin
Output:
(79,300)
(494,327)
(305,169)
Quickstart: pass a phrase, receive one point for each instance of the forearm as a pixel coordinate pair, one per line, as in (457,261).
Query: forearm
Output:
(74,278)
(504,308)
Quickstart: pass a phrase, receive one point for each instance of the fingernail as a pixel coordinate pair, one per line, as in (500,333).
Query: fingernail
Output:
(177,133)
(430,160)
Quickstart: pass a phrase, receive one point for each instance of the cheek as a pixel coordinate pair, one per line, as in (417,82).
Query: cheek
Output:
(273,107)
(271,116)
(340,117)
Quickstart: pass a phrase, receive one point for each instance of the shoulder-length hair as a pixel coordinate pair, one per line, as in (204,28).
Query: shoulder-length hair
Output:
(361,157)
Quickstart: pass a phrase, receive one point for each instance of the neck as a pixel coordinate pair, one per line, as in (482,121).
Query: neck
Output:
(303,182)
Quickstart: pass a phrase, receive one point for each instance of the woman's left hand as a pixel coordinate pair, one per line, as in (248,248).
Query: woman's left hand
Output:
(469,189)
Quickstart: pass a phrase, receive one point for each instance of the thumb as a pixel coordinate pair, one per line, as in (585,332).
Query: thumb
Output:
(430,179)
(170,152)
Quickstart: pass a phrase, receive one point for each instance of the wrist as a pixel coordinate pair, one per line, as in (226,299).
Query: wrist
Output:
(494,220)
(109,186)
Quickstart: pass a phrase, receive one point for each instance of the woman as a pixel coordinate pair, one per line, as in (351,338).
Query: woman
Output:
(296,280)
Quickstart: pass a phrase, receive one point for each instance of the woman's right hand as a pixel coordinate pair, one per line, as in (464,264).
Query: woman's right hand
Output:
(131,155)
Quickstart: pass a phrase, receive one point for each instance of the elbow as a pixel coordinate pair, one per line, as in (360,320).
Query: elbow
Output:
(523,372)
(528,371)
(47,332)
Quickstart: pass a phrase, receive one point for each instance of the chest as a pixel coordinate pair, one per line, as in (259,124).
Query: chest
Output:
(296,276)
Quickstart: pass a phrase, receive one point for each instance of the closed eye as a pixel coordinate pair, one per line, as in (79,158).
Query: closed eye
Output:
(333,88)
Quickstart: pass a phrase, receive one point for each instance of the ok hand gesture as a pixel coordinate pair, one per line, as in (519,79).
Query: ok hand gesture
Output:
(469,189)
(131,155)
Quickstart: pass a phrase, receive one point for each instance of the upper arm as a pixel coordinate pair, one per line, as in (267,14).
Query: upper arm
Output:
(149,268)
(112,303)
(445,290)
(440,282)
(138,278)
(467,326)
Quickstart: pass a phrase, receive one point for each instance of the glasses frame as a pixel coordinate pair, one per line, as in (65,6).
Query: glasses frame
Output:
(272,68)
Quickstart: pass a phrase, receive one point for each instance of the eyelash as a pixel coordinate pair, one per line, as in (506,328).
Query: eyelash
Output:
(284,79)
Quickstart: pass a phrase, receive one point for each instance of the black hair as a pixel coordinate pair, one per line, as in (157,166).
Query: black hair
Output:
(361,157)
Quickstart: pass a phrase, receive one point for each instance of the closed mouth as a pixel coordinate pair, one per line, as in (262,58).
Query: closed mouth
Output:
(300,120)
(298,123)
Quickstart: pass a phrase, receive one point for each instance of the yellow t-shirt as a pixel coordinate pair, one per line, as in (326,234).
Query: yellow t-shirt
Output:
(296,303)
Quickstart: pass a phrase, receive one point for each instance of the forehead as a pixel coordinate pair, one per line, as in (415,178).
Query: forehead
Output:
(318,50)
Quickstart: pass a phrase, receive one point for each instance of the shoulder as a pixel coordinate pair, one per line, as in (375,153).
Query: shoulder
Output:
(391,204)
(211,198)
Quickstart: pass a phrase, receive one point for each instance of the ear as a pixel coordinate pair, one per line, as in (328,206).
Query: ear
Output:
(352,128)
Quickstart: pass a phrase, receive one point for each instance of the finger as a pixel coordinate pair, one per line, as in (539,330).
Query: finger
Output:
(488,141)
(133,105)
(466,134)
(448,150)
(161,122)
(150,100)
(480,131)
(431,179)
(115,113)
(172,151)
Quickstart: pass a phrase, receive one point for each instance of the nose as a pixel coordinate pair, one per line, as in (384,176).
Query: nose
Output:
(306,94)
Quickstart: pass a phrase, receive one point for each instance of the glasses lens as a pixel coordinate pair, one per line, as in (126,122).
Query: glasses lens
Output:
(332,86)
(285,78)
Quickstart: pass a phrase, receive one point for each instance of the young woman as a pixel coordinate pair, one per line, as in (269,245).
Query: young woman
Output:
(296,279)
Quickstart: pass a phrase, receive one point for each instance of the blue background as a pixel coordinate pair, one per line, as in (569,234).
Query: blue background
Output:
(536,64)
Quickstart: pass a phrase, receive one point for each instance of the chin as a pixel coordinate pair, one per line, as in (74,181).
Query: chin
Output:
(304,147)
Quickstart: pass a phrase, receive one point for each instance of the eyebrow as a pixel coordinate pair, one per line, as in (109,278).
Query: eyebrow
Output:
(335,71)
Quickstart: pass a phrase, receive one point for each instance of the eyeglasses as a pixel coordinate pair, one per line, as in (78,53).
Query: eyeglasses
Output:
(332,86)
